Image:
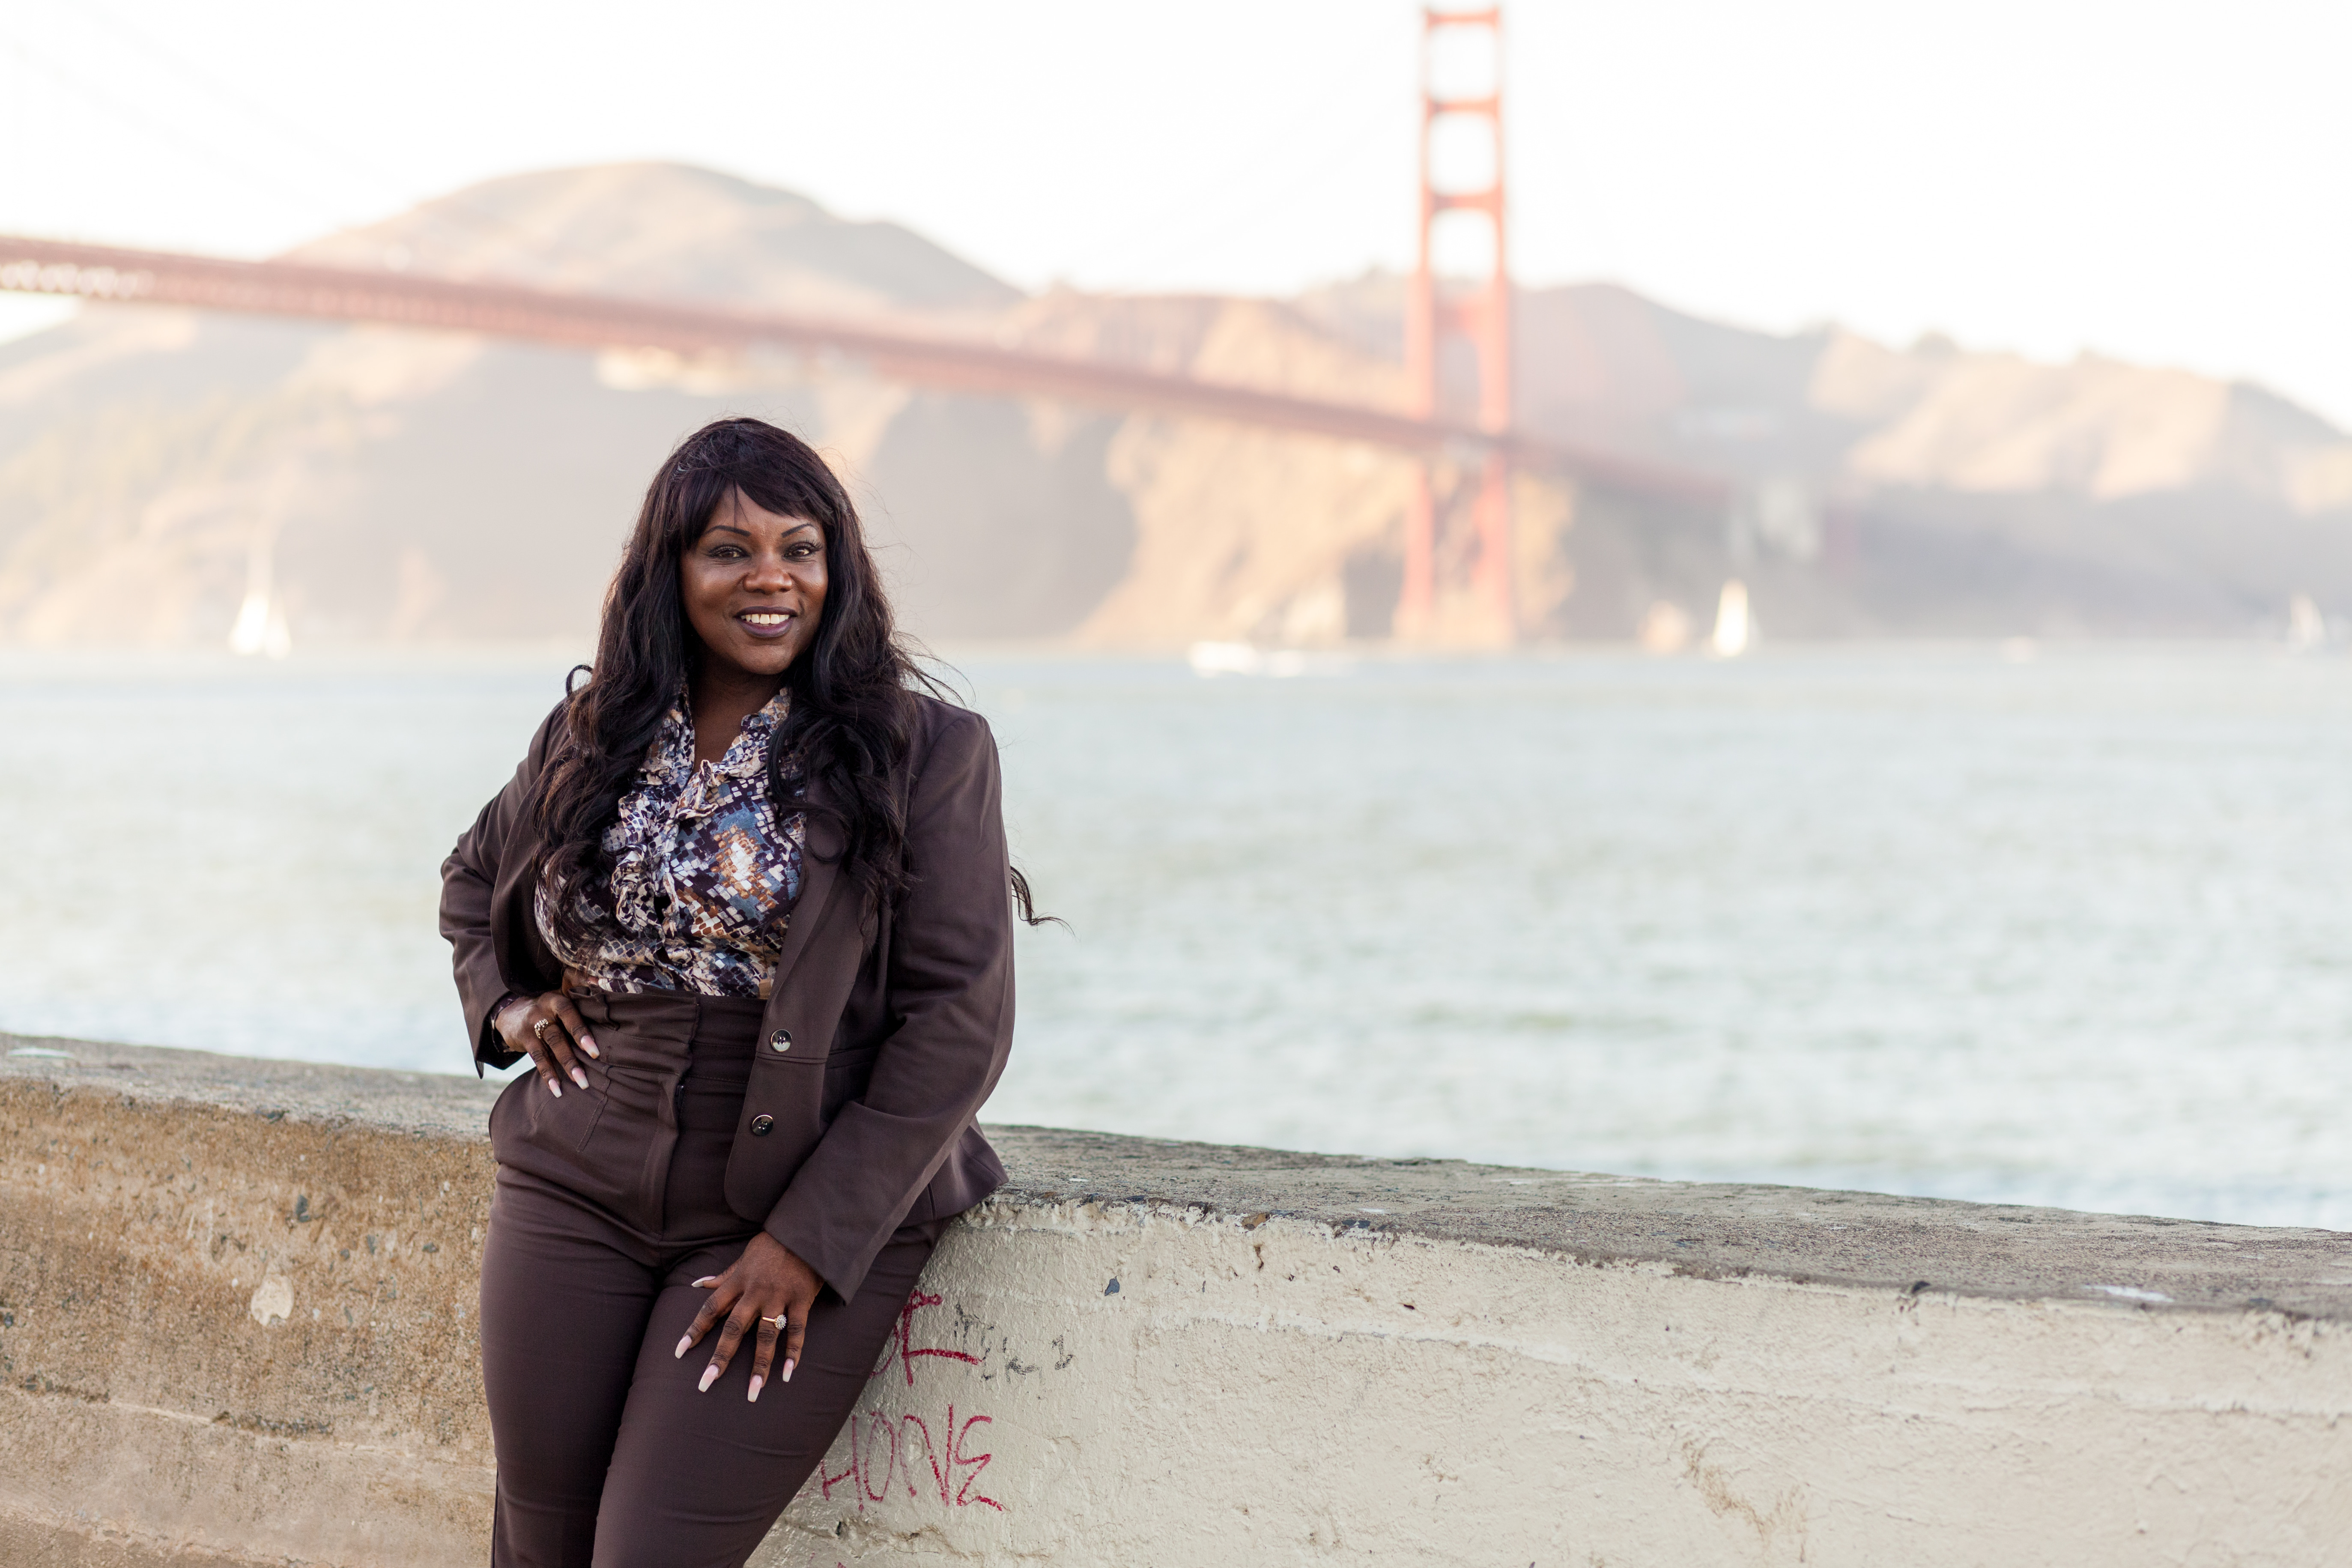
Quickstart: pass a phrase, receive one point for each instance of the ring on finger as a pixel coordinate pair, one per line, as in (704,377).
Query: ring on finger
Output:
(539,1028)
(778,1320)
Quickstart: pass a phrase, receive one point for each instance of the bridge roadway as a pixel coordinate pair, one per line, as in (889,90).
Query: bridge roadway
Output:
(586,320)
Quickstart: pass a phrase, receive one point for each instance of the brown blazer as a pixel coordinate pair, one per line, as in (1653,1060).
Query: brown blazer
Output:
(886,1027)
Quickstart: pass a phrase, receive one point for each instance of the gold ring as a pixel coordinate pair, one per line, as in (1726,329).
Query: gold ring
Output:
(778,1320)
(539,1028)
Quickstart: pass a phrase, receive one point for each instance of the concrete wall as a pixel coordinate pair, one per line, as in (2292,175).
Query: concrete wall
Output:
(235,1326)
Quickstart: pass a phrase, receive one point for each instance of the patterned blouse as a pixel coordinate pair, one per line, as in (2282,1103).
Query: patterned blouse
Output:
(702,882)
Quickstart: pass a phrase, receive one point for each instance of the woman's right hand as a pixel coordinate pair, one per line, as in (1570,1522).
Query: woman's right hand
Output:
(548,1029)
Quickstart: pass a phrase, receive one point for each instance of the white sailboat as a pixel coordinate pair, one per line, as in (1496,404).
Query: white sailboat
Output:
(2306,628)
(1733,629)
(260,626)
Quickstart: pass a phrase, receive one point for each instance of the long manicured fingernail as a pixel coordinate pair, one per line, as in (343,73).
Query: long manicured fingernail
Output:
(580,1076)
(705,1283)
(709,1376)
(685,1343)
(756,1381)
(588,1043)
(554,1089)
(786,1375)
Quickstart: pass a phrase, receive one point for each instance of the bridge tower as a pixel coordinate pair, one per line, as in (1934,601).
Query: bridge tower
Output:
(1483,316)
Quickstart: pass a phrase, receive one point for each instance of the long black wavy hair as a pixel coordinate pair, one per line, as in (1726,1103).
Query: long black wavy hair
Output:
(852,689)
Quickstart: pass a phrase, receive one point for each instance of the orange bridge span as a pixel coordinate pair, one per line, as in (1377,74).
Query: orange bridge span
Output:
(587,320)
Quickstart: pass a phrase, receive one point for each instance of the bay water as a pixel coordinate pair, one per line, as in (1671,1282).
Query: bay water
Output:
(2069,928)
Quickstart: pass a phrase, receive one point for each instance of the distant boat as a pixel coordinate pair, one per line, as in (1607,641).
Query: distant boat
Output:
(260,626)
(261,629)
(1214,658)
(1733,630)
(2306,628)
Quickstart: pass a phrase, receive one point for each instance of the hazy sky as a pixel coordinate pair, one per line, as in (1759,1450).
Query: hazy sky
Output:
(2157,181)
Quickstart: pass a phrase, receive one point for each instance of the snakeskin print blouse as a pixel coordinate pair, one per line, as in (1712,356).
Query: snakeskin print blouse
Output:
(703,880)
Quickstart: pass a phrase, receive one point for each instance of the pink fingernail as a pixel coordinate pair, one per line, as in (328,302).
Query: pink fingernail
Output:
(756,1381)
(685,1344)
(553,1088)
(580,1076)
(786,1376)
(588,1043)
(709,1376)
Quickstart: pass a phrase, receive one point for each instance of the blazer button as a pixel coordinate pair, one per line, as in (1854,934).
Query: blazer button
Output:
(782,1039)
(760,1125)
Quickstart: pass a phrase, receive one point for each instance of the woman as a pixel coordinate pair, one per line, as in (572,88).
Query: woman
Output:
(745,907)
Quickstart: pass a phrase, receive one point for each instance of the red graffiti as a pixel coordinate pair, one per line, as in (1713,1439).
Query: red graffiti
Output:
(827,1482)
(903,1352)
(883,1458)
(887,1452)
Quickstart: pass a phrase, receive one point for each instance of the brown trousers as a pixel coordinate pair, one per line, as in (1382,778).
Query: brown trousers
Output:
(608,1203)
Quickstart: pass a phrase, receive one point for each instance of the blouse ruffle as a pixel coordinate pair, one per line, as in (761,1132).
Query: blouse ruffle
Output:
(703,877)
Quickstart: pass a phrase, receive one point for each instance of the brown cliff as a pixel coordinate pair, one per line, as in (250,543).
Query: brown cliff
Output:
(367,485)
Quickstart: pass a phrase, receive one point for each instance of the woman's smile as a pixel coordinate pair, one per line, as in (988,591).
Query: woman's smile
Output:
(767,623)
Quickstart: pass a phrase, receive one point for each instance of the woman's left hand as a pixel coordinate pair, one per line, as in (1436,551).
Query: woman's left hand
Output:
(767,1282)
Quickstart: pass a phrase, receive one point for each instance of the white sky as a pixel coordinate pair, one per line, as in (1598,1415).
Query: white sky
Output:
(2160,181)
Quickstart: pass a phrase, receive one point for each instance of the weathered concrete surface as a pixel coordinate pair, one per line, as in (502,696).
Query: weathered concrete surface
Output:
(235,1326)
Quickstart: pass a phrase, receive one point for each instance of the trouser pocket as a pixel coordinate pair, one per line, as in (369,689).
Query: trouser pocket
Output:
(559,1139)
(527,1114)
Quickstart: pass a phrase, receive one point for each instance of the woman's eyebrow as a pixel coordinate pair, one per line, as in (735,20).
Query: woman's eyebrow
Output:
(741,533)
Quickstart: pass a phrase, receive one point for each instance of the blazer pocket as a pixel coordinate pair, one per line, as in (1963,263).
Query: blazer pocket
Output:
(846,1074)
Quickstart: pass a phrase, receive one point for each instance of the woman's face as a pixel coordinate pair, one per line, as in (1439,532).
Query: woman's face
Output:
(754,587)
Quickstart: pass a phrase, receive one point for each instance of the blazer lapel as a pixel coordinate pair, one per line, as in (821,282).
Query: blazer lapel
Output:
(820,878)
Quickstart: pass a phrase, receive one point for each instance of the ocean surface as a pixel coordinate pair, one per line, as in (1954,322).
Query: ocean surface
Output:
(2073,928)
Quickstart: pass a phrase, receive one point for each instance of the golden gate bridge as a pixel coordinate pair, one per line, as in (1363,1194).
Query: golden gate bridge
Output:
(1488,443)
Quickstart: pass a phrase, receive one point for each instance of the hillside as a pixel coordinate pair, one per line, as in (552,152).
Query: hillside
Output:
(668,231)
(364,485)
